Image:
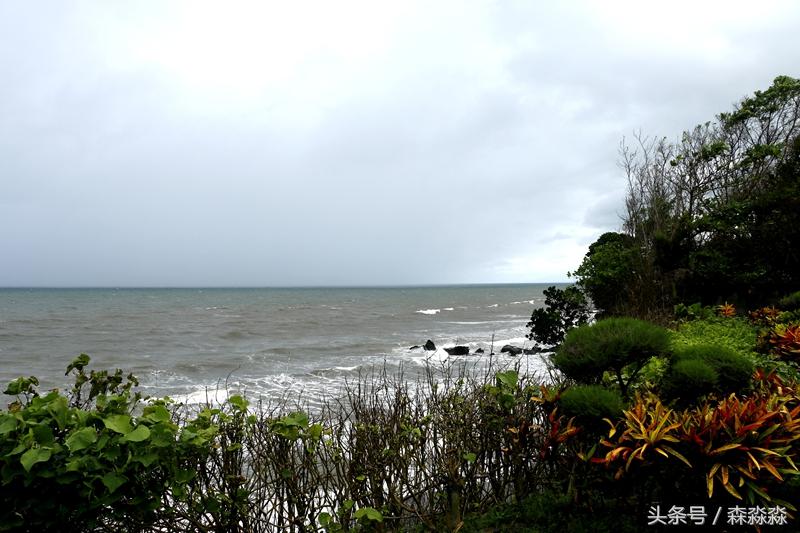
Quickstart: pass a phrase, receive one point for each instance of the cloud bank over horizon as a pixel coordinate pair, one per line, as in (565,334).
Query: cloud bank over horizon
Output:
(358,143)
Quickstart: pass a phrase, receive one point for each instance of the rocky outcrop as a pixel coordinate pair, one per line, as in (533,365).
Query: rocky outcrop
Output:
(458,350)
(535,350)
(511,350)
(429,346)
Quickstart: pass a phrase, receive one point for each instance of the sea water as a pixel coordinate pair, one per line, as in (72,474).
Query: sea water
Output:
(192,343)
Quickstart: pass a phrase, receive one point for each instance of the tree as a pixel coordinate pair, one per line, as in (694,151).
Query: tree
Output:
(713,216)
(607,267)
(564,309)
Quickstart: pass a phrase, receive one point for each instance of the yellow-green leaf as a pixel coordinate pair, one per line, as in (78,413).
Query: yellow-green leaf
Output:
(725,448)
(732,491)
(82,438)
(118,423)
(137,435)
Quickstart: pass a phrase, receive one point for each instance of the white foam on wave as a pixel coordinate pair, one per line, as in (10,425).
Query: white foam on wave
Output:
(468,322)
(493,305)
(429,311)
(202,395)
(448,308)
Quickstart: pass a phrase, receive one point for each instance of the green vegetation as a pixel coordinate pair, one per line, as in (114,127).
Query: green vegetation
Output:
(735,334)
(620,345)
(733,370)
(85,462)
(564,309)
(712,217)
(590,403)
(689,379)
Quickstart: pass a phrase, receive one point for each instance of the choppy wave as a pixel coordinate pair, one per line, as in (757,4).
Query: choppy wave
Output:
(305,342)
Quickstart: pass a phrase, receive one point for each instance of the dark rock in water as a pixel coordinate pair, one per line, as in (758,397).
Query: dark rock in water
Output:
(458,350)
(415,347)
(479,350)
(535,350)
(511,350)
(429,346)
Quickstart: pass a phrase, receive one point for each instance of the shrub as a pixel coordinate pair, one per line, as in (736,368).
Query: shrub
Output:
(734,333)
(591,402)
(733,369)
(784,341)
(614,344)
(744,445)
(695,311)
(689,379)
(790,302)
(83,462)
(726,310)
(564,309)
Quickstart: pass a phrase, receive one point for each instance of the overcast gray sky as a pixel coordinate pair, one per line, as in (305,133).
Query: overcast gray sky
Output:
(200,143)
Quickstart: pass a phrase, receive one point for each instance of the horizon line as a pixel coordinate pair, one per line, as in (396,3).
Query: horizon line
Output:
(370,286)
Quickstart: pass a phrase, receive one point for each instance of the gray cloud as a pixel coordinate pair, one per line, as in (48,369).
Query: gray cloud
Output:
(257,144)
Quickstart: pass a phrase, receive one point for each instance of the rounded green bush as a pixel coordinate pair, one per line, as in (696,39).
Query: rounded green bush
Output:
(591,401)
(733,369)
(688,379)
(610,344)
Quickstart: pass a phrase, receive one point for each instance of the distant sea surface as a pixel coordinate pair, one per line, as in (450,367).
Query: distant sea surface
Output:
(304,341)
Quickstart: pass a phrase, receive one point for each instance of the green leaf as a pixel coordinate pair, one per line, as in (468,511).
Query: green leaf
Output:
(113,481)
(22,385)
(369,513)
(78,363)
(33,456)
(118,423)
(137,435)
(80,439)
(157,413)
(315,432)
(146,459)
(508,378)
(299,419)
(8,424)
(469,457)
(239,403)
(184,476)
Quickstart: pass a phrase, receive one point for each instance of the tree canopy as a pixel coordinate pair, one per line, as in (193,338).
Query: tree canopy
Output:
(712,216)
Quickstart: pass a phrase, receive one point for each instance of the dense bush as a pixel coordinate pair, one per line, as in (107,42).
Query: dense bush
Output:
(689,379)
(614,344)
(97,459)
(590,403)
(733,333)
(733,370)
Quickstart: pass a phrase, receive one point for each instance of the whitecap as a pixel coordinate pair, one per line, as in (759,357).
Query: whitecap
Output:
(428,311)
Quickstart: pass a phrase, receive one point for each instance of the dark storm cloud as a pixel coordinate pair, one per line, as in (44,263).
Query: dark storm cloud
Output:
(255,144)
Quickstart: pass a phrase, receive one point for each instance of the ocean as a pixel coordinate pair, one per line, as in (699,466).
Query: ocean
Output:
(194,343)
